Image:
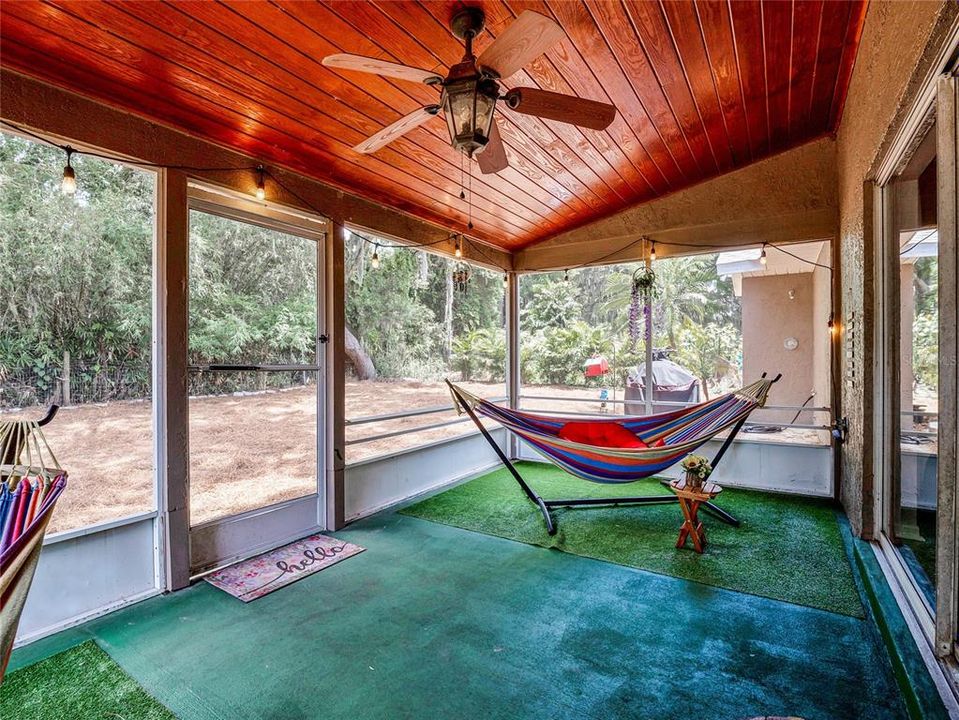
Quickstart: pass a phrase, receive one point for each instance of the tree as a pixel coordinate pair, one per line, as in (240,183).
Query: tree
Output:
(708,351)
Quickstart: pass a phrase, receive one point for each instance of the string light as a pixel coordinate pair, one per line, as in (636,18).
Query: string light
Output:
(68,186)
(505,280)
(762,255)
(459,249)
(833,326)
(652,252)
(375,260)
(260,185)
(566,274)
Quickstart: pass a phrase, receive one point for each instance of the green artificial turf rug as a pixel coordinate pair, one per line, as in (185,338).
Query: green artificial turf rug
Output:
(80,683)
(787,547)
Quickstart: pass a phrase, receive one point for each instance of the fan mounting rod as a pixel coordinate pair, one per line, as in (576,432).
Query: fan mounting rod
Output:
(467,24)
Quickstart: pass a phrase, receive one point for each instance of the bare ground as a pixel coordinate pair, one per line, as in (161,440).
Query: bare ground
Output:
(247,451)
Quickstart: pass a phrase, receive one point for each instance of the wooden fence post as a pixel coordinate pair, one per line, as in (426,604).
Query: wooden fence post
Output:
(65,379)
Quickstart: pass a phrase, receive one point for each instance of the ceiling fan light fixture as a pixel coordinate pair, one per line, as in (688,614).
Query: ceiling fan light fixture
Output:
(468,105)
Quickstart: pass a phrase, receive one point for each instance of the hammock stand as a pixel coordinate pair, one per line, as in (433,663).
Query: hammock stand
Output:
(463,404)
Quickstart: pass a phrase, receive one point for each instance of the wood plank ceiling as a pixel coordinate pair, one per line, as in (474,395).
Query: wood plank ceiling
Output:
(702,88)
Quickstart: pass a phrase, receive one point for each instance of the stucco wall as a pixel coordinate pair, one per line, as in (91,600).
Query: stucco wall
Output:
(769,318)
(790,197)
(896,48)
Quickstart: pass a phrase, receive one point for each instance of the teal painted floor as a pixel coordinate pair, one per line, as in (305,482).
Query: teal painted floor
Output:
(438,622)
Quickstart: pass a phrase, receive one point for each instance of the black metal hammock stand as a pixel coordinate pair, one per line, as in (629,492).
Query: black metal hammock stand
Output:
(652,444)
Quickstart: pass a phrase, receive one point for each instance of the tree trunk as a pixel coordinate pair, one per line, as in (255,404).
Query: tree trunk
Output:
(448,315)
(362,364)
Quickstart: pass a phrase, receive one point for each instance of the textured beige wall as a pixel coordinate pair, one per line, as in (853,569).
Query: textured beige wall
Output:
(896,48)
(790,197)
(769,317)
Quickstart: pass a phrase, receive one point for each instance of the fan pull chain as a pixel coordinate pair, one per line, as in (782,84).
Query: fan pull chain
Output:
(469,225)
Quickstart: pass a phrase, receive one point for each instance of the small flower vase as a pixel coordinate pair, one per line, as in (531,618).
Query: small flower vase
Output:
(693,481)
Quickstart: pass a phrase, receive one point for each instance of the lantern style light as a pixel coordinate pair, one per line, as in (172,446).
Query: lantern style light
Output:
(469,97)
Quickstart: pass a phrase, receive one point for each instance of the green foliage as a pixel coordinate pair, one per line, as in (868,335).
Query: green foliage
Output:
(76,276)
(480,355)
(708,351)
(74,272)
(399,314)
(925,349)
(925,329)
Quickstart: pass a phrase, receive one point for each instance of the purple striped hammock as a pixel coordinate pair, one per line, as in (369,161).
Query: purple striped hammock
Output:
(682,432)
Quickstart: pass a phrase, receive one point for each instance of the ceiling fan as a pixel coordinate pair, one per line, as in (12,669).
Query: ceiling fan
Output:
(471,89)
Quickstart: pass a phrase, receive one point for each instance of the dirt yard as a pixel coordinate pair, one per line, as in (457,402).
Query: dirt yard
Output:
(246,451)
(251,450)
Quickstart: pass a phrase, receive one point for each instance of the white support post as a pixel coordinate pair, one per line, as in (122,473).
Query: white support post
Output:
(648,312)
(336,373)
(170,380)
(513,378)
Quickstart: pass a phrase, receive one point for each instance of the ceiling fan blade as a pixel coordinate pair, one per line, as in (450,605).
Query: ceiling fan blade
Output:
(530,35)
(564,108)
(400,127)
(345,61)
(493,158)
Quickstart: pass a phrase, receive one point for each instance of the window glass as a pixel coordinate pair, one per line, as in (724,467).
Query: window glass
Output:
(76,282)
(914,491)
(413,319)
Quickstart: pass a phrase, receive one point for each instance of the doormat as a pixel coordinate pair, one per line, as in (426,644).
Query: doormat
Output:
(259,576)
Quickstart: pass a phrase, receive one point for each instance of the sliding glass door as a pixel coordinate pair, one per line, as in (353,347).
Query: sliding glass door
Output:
(917,367)
(913,492)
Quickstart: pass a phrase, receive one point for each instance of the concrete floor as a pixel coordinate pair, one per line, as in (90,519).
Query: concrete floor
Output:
(437,622)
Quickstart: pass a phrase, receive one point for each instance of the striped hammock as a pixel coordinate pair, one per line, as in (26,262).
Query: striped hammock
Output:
(681,432)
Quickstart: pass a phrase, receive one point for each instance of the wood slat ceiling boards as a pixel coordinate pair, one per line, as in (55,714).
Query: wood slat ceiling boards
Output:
(701,88)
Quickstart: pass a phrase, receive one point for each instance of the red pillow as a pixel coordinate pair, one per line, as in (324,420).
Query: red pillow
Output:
(600,434)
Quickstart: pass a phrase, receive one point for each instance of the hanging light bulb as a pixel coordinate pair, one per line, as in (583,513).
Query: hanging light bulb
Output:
(375,260)
(652,253)
(260,185)
(505,280)
(762,255)
(566,275)
(68,186)
(459,249)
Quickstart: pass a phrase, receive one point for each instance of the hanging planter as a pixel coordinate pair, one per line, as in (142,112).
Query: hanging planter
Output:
(643,291)
(461,278)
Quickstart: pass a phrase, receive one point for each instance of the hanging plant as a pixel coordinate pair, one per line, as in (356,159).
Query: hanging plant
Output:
(461,278)
(643,291)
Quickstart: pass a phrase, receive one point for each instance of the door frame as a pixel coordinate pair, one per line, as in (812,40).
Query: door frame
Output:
(221,541)
(933,631)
